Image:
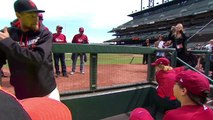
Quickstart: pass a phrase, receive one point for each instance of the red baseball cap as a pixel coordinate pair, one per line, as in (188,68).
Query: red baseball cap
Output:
(59,27)
(163,61)
(194,82)
(44,108)
(140,114)
(81,29)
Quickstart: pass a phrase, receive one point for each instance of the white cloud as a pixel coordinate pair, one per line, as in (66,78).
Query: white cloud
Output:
(96,15)
(99,13)
(7,10)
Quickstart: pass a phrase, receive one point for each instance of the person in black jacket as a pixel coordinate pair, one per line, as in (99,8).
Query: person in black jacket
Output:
(179,42)
(178,38)
(27,47)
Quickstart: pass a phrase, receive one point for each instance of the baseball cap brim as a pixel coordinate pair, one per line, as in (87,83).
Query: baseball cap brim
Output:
(38,11)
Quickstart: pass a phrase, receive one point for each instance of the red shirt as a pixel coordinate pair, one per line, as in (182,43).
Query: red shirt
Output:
(166,81)
(189,112)
(80,39)
(59,38)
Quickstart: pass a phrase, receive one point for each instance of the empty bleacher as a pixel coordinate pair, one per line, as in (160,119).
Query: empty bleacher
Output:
(193,14)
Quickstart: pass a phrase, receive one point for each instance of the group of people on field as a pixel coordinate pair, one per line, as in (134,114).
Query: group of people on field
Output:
(60,38)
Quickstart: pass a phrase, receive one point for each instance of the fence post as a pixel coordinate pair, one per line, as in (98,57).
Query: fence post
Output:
(151,69)
(174,58)
(207,65)
(93,71)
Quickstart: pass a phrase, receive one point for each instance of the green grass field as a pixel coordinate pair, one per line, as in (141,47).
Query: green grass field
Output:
(112,59)
(109,59)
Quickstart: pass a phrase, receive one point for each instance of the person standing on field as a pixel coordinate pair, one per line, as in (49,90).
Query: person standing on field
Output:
(80,38)
(61,39)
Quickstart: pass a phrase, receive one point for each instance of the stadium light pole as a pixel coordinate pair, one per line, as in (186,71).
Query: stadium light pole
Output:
(151,3)
(141,5)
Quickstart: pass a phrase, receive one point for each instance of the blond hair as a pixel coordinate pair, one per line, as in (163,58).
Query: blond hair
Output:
(179,26)
(165,67)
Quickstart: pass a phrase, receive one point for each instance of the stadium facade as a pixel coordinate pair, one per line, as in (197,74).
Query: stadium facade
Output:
(195,15)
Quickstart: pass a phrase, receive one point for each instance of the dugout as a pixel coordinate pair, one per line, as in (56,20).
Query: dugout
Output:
(114,102)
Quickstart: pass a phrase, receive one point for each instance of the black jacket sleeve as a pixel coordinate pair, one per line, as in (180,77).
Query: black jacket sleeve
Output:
(184,38)
(2,59)
(41,52)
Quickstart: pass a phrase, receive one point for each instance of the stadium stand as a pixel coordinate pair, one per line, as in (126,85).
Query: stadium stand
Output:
(195,15)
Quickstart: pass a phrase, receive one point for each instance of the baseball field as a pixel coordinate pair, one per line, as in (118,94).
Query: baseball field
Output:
(113,70)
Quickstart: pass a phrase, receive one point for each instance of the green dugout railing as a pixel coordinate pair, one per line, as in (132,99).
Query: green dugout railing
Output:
(95,49)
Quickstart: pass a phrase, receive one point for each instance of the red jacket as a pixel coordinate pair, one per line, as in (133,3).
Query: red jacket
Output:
(80,39)
(59,38)
(190,112)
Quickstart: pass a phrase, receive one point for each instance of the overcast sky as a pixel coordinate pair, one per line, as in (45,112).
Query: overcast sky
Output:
(96,16)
